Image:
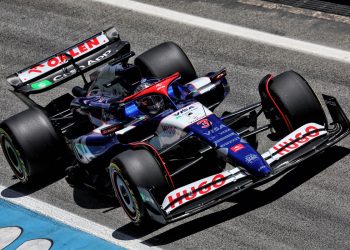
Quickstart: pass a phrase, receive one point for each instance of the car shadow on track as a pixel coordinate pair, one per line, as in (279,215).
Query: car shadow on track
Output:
(19,189)
(246,201)
(84,197)
(90,199)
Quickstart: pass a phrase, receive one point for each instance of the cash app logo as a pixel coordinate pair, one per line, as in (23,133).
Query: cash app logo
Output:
(41,84)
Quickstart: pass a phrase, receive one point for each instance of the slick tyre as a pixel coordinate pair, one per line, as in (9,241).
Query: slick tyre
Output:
(164,60)
(289,102)
(30,144)
(133,169)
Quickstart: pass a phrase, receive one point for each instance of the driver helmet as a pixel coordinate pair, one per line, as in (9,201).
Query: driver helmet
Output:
(150,104)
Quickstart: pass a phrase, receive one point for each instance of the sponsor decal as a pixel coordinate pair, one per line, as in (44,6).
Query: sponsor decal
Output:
(293,141)
(250,158)
(225,131)
(180,120)
(227,137)
(214,129)
(199,188)
(204,187)
(73,71)
(99,58)
(230,142)
(160,86)
(183,111)
(237,147)
(204,123)
(42,84)
(55,61)
(110,130)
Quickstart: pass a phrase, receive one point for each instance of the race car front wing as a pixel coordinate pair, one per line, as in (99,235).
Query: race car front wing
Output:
(301,144)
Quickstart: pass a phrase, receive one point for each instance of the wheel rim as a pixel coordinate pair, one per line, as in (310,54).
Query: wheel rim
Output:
(14,158)
(125,194)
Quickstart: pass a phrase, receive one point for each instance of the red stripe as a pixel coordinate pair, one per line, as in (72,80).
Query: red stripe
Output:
(161,87)
(159,157)
(289,126)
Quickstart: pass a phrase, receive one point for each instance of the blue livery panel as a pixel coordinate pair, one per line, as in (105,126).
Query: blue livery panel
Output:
(230,145)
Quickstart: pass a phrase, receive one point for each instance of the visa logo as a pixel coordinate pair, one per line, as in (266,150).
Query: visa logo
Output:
(215,129)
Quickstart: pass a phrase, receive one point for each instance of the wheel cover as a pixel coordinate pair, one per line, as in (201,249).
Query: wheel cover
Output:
(14,158)
(125,194)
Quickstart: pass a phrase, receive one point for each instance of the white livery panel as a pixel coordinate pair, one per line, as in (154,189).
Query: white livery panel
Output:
(55,61)
(194,190)
(293,141)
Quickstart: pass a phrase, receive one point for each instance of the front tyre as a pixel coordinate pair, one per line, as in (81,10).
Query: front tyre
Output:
(133,169)
(289,102)
(127,195)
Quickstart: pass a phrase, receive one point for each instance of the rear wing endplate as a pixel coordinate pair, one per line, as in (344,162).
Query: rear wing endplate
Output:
(70,63)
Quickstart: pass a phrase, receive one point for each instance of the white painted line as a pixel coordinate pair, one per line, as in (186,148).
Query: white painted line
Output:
(8,235)
(74,220)
(234,30)
(42,244)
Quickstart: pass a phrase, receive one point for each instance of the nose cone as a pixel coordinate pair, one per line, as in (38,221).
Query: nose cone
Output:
(264,170)
(245,156)
(230,146)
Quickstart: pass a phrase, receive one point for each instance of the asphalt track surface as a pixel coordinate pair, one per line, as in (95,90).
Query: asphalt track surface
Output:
(307,208)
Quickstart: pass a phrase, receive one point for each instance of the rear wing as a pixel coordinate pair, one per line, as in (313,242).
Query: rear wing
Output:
(70,63)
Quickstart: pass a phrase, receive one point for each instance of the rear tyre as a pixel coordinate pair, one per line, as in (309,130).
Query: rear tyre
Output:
(30,144)
(133,169)
(289,102)
(164,60)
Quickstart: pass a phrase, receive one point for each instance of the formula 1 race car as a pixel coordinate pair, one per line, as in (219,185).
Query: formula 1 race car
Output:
(147,130)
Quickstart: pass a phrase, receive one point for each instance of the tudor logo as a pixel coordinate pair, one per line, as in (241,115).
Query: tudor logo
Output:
(295,140)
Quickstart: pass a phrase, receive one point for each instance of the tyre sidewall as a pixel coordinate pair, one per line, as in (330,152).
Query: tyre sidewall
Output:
(139,214)
(26,170)
(296,102)
(164,60)
(38,144)
(139,169)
